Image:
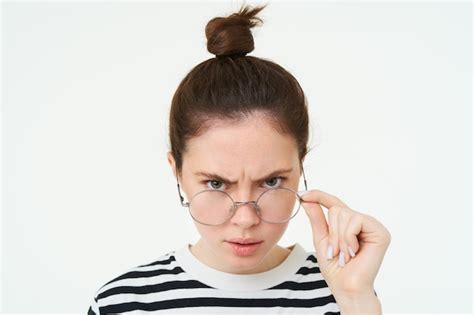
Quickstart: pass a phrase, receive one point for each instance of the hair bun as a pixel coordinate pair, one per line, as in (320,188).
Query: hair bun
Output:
(231,35)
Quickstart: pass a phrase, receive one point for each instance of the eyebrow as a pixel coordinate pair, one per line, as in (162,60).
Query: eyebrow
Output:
(228,181)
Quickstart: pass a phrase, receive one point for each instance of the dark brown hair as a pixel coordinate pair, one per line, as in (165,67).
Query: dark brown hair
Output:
(233,86)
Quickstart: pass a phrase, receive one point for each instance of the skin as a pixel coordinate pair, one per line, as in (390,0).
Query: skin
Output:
(250,149)
(256,150)
(353,283)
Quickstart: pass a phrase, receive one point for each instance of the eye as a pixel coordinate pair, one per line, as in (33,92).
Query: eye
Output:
(215,184)
(272,182)
(279,179)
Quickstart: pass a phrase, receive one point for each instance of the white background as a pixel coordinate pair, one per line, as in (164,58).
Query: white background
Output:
(88,193)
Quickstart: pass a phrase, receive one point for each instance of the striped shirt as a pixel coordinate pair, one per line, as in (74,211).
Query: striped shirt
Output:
(179,283)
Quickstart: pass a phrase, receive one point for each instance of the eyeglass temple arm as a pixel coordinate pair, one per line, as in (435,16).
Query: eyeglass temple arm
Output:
(305,184)
(181,199)
(304,178)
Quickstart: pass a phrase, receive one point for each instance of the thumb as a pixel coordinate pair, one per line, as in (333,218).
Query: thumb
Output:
(318,221)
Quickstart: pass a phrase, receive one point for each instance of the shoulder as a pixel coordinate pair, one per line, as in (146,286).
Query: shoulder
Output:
(137,280)
(310,264)
(308,273)
(137,275)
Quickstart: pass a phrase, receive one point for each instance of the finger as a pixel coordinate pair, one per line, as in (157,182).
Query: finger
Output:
(372,240)
(342,224)
(333,232)
(350,236)
(319,226)
(324,199)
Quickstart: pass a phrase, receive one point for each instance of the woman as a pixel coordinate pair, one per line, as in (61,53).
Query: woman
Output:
(238,133)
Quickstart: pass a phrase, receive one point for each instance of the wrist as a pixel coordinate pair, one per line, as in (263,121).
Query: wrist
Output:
(358,303)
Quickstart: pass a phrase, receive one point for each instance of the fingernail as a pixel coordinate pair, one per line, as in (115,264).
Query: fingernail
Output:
(341,259)
(303,192)
(351,252)
(329,253)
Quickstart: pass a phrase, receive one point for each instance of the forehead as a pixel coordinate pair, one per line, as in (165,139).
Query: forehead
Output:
(252,142)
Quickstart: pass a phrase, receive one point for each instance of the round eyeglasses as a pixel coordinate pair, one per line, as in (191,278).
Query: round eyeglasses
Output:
(216,207)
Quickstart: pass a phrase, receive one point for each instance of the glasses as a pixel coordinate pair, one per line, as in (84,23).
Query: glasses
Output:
(216,207)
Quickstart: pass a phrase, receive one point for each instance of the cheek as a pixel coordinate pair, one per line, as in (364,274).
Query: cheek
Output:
(275,231)
(212,234)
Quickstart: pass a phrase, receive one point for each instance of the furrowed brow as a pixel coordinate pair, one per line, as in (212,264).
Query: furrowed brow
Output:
(228,181)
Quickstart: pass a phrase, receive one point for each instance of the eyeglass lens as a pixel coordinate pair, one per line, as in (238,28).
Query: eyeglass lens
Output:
(214,207)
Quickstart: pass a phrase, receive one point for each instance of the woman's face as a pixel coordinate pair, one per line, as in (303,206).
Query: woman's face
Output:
(240,153)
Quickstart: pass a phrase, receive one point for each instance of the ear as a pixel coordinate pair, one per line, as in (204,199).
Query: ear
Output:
(172,162)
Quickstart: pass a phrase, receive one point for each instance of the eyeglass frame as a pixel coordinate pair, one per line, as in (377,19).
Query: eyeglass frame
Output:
(237,204)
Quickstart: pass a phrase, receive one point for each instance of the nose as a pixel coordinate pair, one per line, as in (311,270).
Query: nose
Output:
(245,214)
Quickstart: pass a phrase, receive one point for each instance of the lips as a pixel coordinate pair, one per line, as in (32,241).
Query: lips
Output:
(245,240)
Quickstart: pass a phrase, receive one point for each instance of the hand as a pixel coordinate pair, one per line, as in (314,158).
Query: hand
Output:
(367,237)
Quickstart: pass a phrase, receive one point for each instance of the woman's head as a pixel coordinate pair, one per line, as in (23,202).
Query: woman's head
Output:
(231,87)
(240,117)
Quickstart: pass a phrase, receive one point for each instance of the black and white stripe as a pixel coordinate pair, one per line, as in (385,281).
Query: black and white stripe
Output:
(163,286)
